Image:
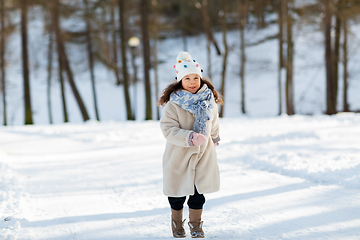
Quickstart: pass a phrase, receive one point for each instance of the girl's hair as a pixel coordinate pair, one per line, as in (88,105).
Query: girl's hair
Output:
(165,97)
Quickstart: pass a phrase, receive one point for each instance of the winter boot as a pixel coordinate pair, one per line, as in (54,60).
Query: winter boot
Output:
(195,223)
(177,224)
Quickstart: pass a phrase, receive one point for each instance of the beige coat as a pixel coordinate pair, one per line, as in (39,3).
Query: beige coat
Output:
(184,166)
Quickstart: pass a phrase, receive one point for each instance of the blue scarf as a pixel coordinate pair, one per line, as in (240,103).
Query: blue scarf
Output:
(201,105)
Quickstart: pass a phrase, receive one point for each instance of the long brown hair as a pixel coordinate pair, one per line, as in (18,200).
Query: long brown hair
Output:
(165,97)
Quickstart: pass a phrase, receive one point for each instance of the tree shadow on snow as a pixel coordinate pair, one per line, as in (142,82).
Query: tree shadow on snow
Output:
(244,196)
(97,217)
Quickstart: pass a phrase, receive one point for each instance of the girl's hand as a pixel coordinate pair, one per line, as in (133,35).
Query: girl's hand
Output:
(198,139)
(216,144)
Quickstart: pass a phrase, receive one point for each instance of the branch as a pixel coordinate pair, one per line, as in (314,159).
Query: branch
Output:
(263,40)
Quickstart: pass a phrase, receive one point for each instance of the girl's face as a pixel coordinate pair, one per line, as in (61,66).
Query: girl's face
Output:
(191,82)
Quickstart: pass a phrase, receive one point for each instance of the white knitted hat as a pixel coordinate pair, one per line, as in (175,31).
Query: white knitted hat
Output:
(186,65)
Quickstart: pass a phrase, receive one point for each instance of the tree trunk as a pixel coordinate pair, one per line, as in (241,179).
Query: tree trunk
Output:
(259,12)
(330,78)
(223,74)
(104,45)
(54,10)
(134,66)
(345,64)
(114,44)
(337,48)
(144,5)
(49,72)
(208,51)
(290,56)
(281,50)
(2,59)
(155,40)
(124,59)
(207,27)
(242,11)
(123,40)
(62,85)
(91,56)
(183,15)
(25,63)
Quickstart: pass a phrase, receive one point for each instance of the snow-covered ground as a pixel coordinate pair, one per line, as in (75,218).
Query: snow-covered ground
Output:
(281,178)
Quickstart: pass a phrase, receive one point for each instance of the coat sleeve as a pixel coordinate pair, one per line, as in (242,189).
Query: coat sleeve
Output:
(215,127)
(170,127)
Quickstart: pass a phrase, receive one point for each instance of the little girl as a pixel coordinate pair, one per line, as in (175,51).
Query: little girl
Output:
(190,124)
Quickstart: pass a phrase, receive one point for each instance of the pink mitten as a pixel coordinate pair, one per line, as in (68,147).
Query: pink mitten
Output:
(198,139)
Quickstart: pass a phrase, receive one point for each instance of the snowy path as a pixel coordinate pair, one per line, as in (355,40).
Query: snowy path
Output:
(281,178)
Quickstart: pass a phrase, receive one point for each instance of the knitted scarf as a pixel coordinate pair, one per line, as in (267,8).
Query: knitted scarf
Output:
(201,105)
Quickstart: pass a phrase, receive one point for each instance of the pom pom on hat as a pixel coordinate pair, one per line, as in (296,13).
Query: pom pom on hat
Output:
(183,69)
(183,56)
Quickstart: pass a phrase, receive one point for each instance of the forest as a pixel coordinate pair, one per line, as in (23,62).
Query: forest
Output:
(115,32)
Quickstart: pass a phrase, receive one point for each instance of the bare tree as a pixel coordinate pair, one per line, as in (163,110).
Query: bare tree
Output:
(145,9)
(330,78)
(290,59)
(2,59)
(208,51)
(114,43)
(183,15)
(49,69)
(64,62)
(124,59)
(207,26)
(281,49)
(90,55)
(223,73)
(336,52)
(242,12)
(345,64)
(155,40)
(259,12)
(62,86)
(25,62)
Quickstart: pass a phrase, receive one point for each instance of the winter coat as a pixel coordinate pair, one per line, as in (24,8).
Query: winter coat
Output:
(186,166)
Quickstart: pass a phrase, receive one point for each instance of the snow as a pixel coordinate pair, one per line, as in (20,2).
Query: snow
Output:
(282,177)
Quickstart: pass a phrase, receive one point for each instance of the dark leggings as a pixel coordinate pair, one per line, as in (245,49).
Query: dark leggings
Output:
(195,201)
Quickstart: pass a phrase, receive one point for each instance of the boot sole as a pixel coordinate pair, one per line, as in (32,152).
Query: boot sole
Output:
(179,236)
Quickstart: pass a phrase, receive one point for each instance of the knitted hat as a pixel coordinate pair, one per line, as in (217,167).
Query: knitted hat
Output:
(186,65)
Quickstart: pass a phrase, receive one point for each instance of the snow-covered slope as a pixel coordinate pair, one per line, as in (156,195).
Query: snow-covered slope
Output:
(281,178)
